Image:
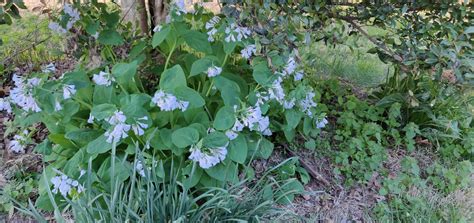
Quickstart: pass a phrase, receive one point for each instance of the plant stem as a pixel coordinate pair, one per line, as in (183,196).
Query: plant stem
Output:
(169,56)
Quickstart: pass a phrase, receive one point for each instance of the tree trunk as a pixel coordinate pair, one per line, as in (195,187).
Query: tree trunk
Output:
(159,10)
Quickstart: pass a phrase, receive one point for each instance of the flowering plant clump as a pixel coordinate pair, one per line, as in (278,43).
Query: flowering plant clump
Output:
(218,101)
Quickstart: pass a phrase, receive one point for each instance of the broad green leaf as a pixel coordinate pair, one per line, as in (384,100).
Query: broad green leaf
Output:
(262,74)
(225,118)
(223,172)
(125,72)
(191,176)
(103,111)
(237,150)
(265,149)
(200,66)
(110,37)
(45,148)
(61,140)
(229,47)
(215,139)
(99,145)
(286,193)
(188,94)
(83,136)
(158,37)
(197,41)
(172,78)
(293,118)
(185,137)
(103,94)
(230,91)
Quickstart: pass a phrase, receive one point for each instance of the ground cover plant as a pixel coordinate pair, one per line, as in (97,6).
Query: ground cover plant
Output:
(192,119)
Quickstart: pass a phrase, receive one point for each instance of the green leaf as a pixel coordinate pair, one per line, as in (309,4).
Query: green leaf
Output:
(188,94)
(265,149)
(293,118)
(61,140)
(110,37)
(103,111)
(99,145)
(102,94)
(200,66)
(172,78)
(286,193)
(229,47)
(221,172)
(197,41)
(230,91)
(185,137)
(238,149)
(225,118)
(262,74)
(45,148)
(310,144)
(125,72)
(158,37)
(469,30)
(83,136)
(215,139)
(191,177)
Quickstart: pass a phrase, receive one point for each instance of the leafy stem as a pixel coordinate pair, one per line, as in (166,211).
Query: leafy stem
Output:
(170,54)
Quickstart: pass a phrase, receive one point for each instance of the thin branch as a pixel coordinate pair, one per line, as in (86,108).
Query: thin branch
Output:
(308,168)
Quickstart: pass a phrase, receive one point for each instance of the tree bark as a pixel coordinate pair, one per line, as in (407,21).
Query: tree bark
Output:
(159,12)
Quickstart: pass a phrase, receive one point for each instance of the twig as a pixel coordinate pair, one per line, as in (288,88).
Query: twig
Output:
(308,168)
(25,49)
(379,44)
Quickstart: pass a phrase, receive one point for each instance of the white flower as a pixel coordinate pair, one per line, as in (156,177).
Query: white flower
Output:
(90,120)
(57,106)
(139,168)
(307,103)
(103,78)
(180,6)
(65,185)
(139,126)
(118,132)
(22,94)
(213,71)
(5,105)
(208,157)
(276,91)
(254,120)
(289,104)
(238,126)
(236,33)
(211,24)
(17,145)
(211,34)
(290,66)
(73,14)
(82,173)
(117,118)
(96,35)
(299,75)
(157,28)
(211,27)
(248,51)
(68,91)
(231,134)
(50,68)
(321,124)
(168,102)
(119,128)
(55,27)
